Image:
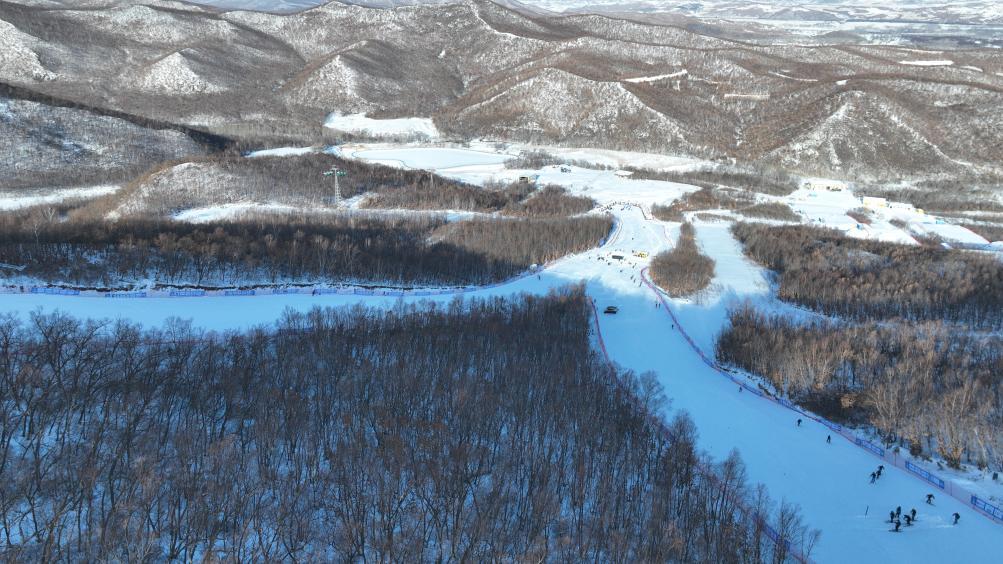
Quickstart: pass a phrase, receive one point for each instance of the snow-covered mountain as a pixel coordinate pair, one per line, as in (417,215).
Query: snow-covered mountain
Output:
(479,69)
(276,6)
(928,11)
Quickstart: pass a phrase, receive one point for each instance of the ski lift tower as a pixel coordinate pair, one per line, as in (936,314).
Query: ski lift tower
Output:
(336,172)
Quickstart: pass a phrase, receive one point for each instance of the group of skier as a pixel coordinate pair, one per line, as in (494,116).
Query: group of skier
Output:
(877,473)
(896,517)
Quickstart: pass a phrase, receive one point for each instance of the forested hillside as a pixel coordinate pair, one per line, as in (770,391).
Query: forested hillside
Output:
(485,431)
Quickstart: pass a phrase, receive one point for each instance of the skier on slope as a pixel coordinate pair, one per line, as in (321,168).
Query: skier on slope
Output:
(873,477)
(929,499)
(898,524)
(799,422)
(913,513)
(957,516)
(908,521)
(828,439)
(898,511)
(891,516)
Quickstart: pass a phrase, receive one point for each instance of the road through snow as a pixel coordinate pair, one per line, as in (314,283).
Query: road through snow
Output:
(829,481)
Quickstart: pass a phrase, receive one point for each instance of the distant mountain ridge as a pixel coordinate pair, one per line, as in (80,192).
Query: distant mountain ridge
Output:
(931,11)
(480,69)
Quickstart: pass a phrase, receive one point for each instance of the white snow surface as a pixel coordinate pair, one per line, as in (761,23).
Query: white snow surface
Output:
(428,158)
(619,159)
(484,153)
(829,481)
(230,211)
(359,123)
(282,152)
(53,196)
(929,63)
(829,209)
(642,79)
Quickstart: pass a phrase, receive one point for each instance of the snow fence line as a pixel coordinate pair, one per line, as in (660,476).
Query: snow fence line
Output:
(283,291)
(704,471)
(993,513)
(346,290)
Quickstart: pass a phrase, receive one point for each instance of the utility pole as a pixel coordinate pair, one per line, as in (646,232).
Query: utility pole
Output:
(336,172)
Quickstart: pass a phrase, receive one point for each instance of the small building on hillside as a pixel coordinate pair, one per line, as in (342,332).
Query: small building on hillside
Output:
(623,173)
(874,202)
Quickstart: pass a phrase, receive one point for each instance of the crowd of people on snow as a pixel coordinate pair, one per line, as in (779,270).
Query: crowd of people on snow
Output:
(896,517)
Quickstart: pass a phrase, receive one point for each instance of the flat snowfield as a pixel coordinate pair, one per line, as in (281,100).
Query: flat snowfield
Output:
(53,196)
(429,158)
(359,123)
(829,481)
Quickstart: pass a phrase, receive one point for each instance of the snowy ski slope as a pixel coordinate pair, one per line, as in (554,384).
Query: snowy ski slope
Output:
(829,481)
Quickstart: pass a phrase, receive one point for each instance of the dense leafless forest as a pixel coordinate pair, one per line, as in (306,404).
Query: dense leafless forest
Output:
(450,196)
(227,177)
(48,142)
(829,272)
(706,198)
(526,241)
(683,270)
(551,201)
(398,250)
(763,179)
(861,215)
(517,199)
(295,180)
(776,211)
(926,387)
(958,193)
(485,431)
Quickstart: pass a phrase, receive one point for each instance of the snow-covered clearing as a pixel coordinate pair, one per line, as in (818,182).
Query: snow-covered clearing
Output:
(643,79)
(230,211)
(482,165)
(829,481)
(739,96)
(929,63)
(53,196)
(239,210)
(782,75)
(283,152)
(829,209)
(487,153)
(429,158)
(359,123)
(620,159)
